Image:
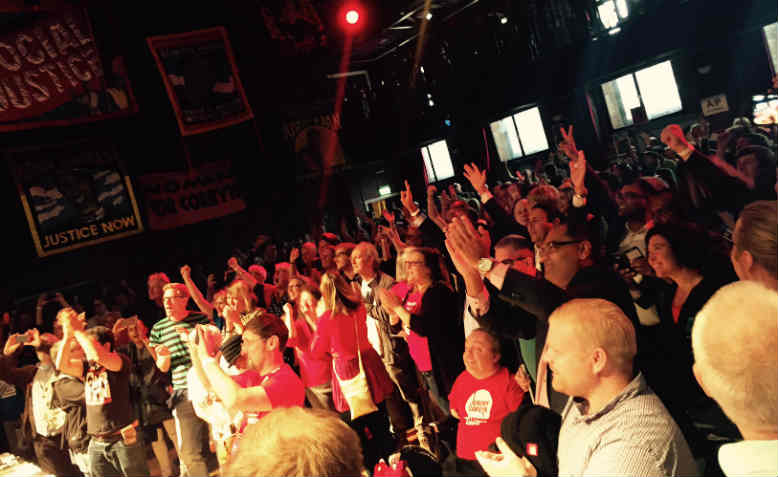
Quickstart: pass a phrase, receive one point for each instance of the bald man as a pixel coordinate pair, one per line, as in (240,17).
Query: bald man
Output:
(736,363)
(613,424)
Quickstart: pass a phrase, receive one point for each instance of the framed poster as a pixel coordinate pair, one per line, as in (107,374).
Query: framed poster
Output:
(201,79)
(52,73)
(74,195)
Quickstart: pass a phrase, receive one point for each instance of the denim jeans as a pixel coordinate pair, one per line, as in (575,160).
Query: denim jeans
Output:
(432,386)
(192,433)
(116,459)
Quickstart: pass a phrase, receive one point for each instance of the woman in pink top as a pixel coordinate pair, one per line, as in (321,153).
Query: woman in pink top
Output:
(340,328)
(315,372)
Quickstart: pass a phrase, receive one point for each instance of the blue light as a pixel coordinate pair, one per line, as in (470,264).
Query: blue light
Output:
(447,122)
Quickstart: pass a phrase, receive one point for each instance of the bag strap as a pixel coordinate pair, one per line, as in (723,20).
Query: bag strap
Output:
(359,353)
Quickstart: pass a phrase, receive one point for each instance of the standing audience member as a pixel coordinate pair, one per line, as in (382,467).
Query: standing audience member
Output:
(340,332)
(69,396)
(170,354)
(735,340)
(116,445)
(755,249)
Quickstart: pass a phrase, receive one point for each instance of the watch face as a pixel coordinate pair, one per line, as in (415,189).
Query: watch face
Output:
(484,265)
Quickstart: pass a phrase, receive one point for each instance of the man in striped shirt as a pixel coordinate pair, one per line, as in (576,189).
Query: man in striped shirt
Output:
(171,354)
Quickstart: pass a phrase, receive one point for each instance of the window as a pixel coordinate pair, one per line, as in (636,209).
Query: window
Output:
(437,161)
(771,38)
(654,88)
(519,135)
(612,13)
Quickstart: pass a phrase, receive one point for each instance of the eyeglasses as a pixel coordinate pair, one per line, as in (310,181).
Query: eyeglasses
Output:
(555,245)
(408,263)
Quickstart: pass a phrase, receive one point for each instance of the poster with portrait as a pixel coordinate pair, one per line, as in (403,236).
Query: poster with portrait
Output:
(202,82)
(312,132)
(74,195)
(52,73)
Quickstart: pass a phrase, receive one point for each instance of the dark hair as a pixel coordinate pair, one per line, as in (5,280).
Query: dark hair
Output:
(551,210)
(765,174)
(265,325)
(102,334)
(689,246)
(587,228)
(330,238)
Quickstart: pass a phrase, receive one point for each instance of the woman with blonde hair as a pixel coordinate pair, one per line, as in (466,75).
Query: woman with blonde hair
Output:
(340,330)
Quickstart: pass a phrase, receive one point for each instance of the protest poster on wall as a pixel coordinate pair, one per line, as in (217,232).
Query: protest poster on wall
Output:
(173,199)
(312,134)
(74,195)
(52,74)
(201,79)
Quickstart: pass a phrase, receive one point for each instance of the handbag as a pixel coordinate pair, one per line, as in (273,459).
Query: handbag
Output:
(356,390)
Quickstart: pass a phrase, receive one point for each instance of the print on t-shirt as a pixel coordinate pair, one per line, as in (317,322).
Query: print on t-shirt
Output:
(479,407)
(97,391)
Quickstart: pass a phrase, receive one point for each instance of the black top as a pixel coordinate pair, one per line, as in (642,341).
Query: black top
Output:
(107,396)
(69,396)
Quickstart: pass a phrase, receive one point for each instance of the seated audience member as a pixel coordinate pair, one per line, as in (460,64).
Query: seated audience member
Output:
(481,397)
(755,243)
(736,362)
(613,424)
(116,446)
(297,442)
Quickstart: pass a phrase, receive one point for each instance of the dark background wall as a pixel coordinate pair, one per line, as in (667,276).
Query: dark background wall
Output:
(475,69)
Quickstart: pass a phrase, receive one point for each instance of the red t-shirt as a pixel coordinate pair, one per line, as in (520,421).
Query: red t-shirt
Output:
(283,388)
(313,371)
(418,345)
(481,405)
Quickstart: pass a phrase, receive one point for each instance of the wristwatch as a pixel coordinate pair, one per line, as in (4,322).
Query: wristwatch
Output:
(484,265)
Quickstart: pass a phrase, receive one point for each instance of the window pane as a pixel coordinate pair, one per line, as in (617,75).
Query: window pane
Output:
(427,166)
(658,90)
(621,96)
(771,34)
(531,132)
(621,6)
(441,160)
(505,138)
(607,11)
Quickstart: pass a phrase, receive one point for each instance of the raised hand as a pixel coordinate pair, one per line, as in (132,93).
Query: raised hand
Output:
(522,378)
(476,177)
(232,263)
(406,197)
(389,216)
(186,271)
(294,255)
(506,463)
(567,145)
(578,172)
(466,240)
(673,137)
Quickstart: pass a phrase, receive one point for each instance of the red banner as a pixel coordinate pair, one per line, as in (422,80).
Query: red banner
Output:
(174,199)
(47,64)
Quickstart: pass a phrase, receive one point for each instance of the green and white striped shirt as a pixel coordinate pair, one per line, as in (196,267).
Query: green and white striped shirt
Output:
(164,332)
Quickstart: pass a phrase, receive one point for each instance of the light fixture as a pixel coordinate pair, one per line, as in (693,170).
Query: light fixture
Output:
(384,190)
(429,16)
(504,20)
(422,70)
(431,103)
(352,17)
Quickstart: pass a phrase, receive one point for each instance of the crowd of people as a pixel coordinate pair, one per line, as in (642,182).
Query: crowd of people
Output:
(578,322)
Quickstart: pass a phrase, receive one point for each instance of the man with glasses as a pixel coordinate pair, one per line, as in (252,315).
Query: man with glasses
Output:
(168,346)
(569,254)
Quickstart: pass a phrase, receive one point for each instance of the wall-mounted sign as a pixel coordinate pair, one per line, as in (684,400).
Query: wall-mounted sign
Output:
(51,74)
(199,72)
(74,195)
(714,105)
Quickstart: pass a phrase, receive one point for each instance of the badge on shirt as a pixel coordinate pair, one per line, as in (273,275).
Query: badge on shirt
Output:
(97,390)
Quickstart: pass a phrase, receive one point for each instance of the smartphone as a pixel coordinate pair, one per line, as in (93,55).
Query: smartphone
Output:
(633,253)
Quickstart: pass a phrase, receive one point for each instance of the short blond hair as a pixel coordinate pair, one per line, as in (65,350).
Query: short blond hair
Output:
(734,340)
(603,325)
(177,287)
(368,249)
(297,441)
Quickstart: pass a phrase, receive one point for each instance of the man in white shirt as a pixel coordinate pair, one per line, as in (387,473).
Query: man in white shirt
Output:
(736,363)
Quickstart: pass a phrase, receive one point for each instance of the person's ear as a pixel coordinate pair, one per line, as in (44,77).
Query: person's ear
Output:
(599,360)
(746,260)
(272,342)
(584,250)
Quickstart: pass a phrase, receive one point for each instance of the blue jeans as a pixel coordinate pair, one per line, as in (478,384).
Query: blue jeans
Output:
(437,398)
(116,459)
